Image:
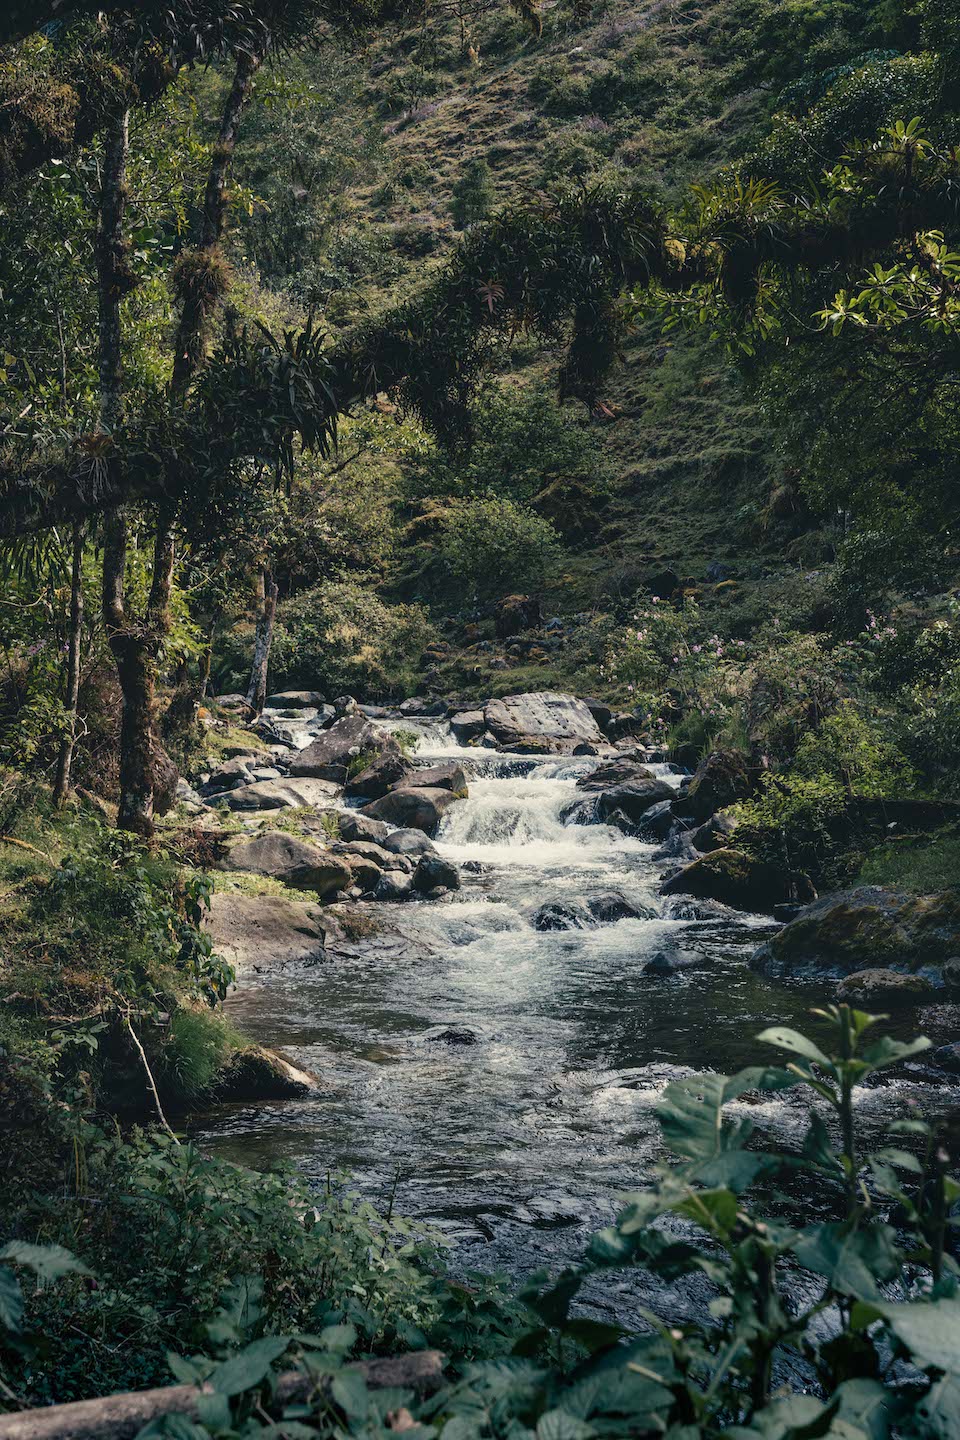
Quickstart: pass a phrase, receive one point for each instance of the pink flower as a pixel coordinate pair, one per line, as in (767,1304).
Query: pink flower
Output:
(676,659)
(697,649)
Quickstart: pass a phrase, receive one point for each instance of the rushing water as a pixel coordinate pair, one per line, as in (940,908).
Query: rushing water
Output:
(516,1132)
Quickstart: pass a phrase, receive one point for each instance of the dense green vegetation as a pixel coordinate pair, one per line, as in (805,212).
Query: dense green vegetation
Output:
(326,328)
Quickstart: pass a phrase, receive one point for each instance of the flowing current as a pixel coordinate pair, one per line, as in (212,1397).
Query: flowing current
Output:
(504,1078)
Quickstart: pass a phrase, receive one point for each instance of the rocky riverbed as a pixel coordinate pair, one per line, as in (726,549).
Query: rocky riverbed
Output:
(492,1022)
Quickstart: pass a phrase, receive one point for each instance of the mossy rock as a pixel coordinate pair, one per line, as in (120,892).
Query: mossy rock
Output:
(889,988)
(737,879)
(866,928)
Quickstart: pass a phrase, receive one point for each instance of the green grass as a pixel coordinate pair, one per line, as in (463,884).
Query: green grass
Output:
(922,867)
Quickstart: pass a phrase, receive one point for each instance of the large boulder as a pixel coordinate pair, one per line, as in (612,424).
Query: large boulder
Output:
(625,790)
(329,757)
(516,613)
(865,928)
(296,700)
(290,860)
(614,772)
(434,872)
(543,721)
(279,794)
(738,880)
(611,906)
(722,778)
(354,826)
(251,931)
(390,768)
(231,774)
(413,843)
(889,988)
(412,808)
(468,725)
(255,1073)
(562,915)
(715,833)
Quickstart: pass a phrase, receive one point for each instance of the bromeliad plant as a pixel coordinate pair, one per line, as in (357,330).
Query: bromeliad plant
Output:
(863,1307)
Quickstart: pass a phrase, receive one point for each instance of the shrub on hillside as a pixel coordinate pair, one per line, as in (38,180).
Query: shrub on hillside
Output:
(491,545)
(341,638)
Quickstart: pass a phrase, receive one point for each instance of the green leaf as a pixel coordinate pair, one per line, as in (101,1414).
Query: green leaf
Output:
(338,1337)
(853,1261)
(349,1390)
(11,1300)
(593,1335)
(797,1044)
(930,1330)
(48,1262)
(248,1368)
(938,1413)
(558,1425)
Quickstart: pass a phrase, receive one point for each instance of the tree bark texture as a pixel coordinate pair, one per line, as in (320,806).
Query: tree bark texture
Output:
(61,785)
(263,639)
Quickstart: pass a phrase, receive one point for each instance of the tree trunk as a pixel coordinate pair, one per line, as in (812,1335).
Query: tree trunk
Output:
(61,785)
(267,596)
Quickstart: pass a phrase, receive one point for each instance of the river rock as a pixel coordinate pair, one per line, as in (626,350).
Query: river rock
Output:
(364,873)
(468,725)
(255,1073)
(413,843)
(296,700)
(615,772)
(612,906)
(412,808)
(655,823)
(231,774)
(948,1057)
(671,962)
(715,833)
(393,885)
(330,755)
(600,712)
(354,826)
(390,768)
(940,1020)
(734,879)
(279,794)
(722,778)
(884,987)
(251,931)
(868,927)
(562,915)
(434,871)
(449,776)
(292,861)
(632,799)
(543,720)
(451,1035)
(376,854)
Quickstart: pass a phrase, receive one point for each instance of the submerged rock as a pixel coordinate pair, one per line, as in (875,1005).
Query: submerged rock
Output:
(671,962)
(562,915)
(613,906)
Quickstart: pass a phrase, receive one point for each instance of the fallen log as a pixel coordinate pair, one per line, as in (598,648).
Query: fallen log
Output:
(121,1417)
